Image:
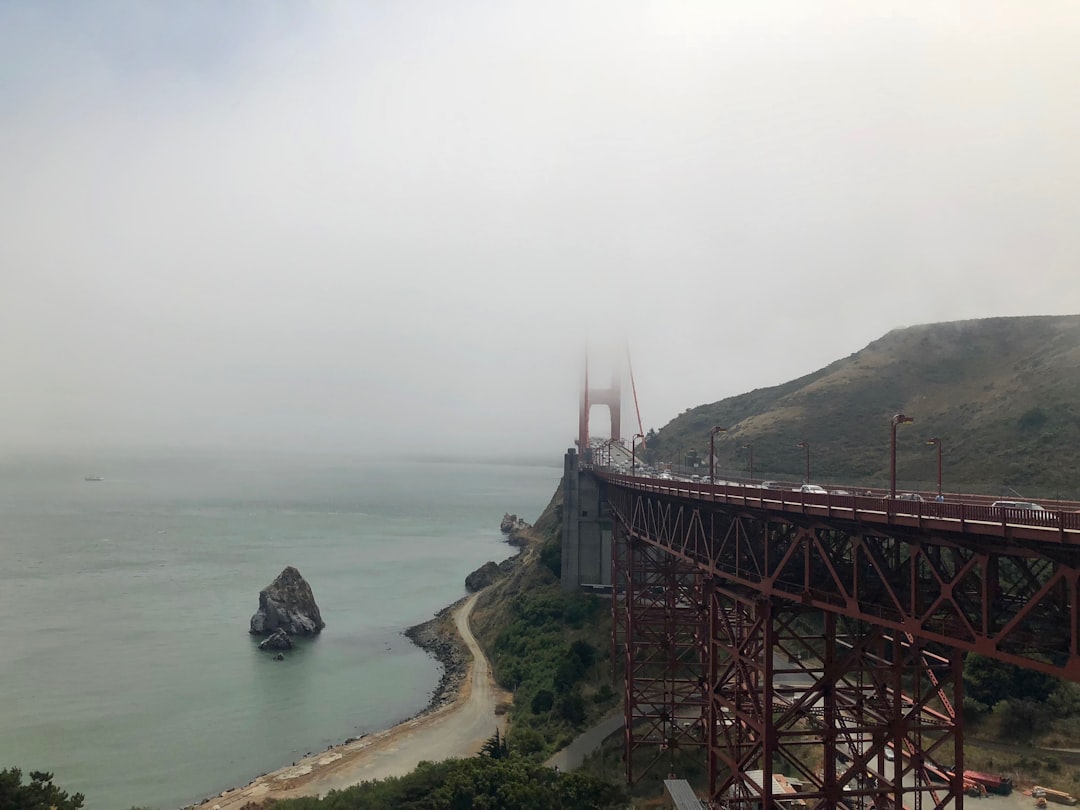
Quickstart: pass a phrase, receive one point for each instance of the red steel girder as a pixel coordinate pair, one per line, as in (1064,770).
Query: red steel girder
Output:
(822,697)
(659,610)
(1014,602)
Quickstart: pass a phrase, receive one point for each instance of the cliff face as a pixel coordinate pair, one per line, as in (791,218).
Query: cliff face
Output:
(287,603)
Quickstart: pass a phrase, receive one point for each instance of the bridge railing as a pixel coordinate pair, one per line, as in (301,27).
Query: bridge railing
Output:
(876,506)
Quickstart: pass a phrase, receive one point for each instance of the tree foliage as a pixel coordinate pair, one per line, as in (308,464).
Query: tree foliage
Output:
(480,783)
(989,682)
(39,794)
(495,747)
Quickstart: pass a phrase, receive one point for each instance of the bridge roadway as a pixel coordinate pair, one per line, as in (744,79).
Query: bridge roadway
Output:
(1002,582)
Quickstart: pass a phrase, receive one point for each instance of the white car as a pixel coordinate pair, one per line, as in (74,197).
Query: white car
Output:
(813,489)
(1018,505)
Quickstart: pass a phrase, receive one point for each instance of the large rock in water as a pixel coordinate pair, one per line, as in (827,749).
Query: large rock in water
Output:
(287,603)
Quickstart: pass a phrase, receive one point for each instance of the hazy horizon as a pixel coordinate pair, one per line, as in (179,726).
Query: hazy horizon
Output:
(393,228)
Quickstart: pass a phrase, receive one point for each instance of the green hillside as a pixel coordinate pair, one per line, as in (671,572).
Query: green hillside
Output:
(1003,395)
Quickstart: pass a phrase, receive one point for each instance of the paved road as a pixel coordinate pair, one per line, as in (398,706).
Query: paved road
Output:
(571,757)
(455,731)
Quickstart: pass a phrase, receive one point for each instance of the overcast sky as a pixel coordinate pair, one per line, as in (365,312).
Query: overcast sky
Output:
(367,225)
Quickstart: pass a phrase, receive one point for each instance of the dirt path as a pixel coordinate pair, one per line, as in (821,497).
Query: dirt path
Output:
(458,730)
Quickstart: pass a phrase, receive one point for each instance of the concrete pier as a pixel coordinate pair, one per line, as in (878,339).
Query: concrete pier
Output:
(586,541)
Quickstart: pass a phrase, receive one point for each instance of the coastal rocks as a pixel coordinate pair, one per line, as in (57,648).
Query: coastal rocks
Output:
(509,522)
(482,577)
(515,529)
(278,640)
(287,604)
(438,638)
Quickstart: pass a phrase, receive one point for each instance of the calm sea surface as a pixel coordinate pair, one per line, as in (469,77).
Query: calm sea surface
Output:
(125,663)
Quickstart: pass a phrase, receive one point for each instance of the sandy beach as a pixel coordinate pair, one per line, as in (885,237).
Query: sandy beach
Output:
(455,729)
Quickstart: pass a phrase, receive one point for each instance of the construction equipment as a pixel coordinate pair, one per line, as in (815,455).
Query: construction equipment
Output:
(1051,795)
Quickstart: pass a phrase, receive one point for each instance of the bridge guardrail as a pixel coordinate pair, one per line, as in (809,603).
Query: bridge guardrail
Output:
(1061,525)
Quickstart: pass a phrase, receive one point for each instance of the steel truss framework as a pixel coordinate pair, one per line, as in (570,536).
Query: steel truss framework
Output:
(817,650)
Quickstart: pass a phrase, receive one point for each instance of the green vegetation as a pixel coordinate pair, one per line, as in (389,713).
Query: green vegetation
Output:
(999,392)
(988,682)
(1014,716)
(484,782)
(551,649)
(38,794)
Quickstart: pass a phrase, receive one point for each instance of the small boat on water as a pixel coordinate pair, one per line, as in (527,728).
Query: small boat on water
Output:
(93,478)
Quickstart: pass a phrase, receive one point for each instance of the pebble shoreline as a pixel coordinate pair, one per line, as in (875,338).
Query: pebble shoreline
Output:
(442,644)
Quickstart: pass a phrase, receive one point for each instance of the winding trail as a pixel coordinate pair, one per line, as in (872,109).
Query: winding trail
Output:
(457,730)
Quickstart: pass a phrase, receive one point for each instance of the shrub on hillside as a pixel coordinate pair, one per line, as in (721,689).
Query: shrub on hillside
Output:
(572,709)
(542,701)
(989,681)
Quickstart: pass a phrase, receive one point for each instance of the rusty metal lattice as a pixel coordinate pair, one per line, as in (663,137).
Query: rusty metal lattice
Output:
(821,649)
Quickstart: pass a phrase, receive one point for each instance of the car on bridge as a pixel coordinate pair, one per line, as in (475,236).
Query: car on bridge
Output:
(812,489)
(771,485)
(1034,507)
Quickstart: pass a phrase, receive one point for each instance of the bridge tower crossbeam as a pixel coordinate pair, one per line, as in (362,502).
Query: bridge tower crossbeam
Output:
(612,398)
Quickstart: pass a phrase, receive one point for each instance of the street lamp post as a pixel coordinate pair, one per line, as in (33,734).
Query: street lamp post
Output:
(898,419)
(750,447)
(633,452)
(712,454)
(806,445)
(937,443)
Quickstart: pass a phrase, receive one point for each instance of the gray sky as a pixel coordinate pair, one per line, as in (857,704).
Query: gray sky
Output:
(363,226)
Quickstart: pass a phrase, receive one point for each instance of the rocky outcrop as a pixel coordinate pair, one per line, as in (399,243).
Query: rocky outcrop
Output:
(514,528)
(287,604)
(482,577)
(278,640)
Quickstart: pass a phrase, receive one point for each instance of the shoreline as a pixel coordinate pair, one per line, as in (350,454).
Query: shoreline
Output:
(443,638)
(350,761)
(438,638)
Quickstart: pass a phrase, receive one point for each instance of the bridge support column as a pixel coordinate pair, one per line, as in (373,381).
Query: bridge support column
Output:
(586,540)
(659,608)
(846,714)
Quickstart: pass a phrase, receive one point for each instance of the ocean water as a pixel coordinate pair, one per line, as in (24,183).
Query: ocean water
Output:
(125,663)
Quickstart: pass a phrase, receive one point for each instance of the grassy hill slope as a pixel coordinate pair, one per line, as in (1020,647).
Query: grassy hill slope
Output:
(1003,394)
